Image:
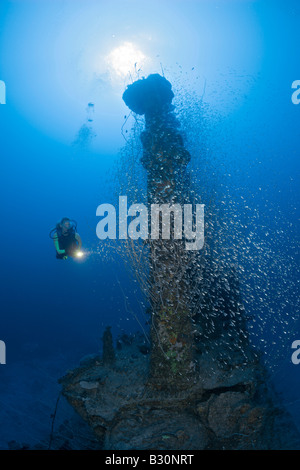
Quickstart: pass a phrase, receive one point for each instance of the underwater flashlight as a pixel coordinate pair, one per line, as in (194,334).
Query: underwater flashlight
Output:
(79,254)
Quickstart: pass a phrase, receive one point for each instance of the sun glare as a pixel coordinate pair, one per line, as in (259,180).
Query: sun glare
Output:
(125,59)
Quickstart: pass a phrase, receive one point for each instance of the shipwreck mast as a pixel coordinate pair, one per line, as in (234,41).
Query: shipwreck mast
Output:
(165,160)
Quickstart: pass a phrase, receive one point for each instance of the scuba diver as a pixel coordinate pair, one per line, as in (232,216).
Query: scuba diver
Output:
(66,240)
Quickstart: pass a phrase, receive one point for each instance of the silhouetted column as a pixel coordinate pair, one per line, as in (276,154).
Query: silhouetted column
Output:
(109,357)
(165,160)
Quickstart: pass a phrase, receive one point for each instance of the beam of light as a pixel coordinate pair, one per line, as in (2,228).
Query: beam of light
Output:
(125,59)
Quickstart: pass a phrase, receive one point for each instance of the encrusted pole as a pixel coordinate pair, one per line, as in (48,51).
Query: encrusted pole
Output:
(165,160)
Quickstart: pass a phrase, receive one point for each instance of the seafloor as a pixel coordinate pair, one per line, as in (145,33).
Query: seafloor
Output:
(116,408)
(227,407)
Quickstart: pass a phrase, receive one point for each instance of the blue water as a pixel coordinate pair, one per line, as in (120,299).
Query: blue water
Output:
(55,312)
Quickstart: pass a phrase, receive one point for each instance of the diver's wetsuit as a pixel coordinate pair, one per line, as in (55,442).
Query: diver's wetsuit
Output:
(66,242)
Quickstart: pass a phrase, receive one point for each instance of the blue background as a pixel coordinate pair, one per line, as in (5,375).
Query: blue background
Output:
(246,55)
